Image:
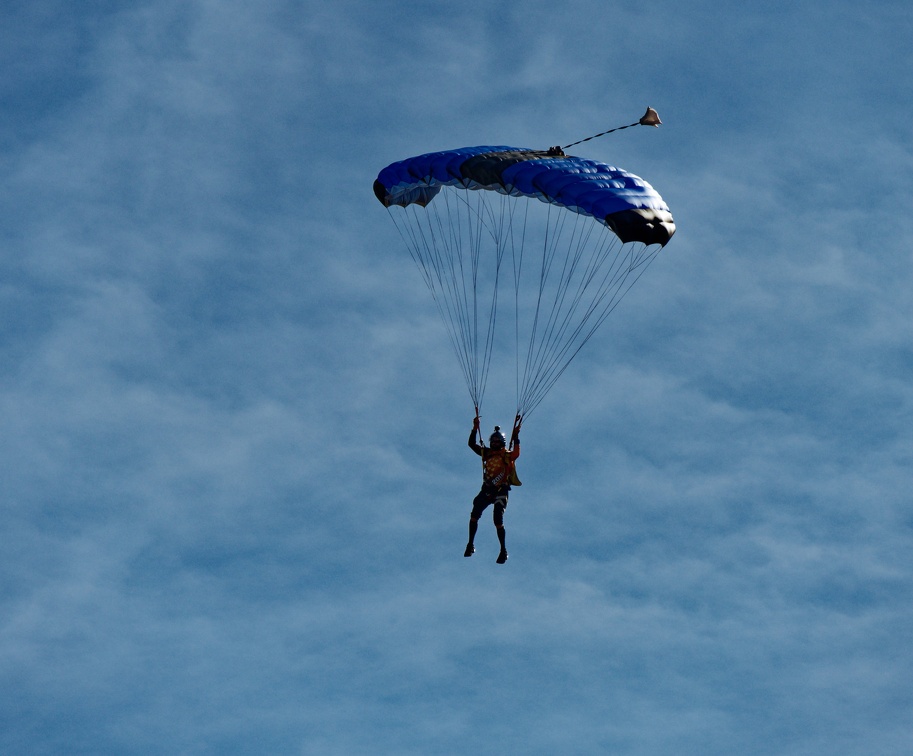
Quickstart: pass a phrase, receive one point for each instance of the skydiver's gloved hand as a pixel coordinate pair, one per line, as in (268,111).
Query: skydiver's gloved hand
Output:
(515,436)
(476,423)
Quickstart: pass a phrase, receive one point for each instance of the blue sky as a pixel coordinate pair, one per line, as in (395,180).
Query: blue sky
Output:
(233,472)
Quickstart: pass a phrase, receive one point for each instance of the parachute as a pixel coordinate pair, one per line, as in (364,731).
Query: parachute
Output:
(568,260)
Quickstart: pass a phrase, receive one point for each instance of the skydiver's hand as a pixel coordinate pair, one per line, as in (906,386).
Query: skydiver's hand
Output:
(476,423)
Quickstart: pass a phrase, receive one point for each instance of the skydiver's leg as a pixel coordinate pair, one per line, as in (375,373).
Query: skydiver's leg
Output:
(473,527)
(502,533)
(479,504)
(498,519)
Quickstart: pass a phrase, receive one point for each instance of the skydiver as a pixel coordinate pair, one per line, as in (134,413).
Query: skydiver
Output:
(498,475)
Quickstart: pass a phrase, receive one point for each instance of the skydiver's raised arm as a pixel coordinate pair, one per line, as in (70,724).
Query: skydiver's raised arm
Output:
(515,438)
(472,437)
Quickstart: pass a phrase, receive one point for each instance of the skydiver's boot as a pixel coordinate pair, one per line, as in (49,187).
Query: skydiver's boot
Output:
(502,557)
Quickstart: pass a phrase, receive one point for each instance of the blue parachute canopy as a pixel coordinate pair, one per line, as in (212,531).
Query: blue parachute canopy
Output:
(566,264)
(624,202)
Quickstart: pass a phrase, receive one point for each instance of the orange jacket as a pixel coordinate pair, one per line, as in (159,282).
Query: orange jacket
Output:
(498,465)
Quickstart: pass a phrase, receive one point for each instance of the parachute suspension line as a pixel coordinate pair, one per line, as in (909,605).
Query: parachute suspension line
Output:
(573,301)
(496,231)
(550,241)
(516,256)
(443,259)
(458,294)
(452,268)
(640,262)
(481,219)
(571,304)
(463,269)
(550,245)
(556,324)
(573,298)
(458,244)
(480,349)
(421,237)
(609,298)
(560,358)
(437,265)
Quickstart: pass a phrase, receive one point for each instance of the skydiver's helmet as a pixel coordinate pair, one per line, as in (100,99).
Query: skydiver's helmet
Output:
(497,440)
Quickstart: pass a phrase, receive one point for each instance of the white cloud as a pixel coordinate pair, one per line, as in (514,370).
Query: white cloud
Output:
(234,472)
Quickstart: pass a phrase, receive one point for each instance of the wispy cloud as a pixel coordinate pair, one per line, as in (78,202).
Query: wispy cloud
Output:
(234,475)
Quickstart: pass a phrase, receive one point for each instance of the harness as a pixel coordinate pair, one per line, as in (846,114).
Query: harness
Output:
(508,475)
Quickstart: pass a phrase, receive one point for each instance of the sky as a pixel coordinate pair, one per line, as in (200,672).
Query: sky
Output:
(233,469)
